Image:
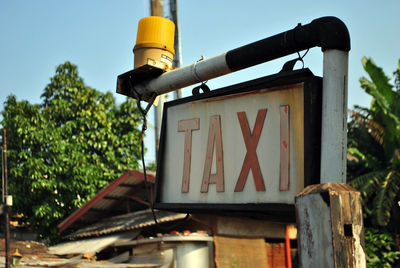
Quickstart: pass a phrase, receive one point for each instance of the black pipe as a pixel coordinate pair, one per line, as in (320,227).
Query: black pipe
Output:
(325,32)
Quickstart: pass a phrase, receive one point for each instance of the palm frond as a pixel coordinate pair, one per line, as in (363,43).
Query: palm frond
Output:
(386,196)
(374,128)
(353,154)
(362,110)
(368,183)
(379,88)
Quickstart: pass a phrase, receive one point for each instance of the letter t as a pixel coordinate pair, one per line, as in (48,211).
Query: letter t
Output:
(187,126)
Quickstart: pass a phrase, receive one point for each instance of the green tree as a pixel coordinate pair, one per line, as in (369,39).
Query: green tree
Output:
(380,248)
(62,151)
(374,143)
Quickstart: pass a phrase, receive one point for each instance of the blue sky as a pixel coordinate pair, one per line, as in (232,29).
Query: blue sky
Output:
(98,36)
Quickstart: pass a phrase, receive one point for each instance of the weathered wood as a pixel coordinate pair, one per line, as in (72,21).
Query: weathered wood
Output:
(240,226)
(240,252)
(276,255)
(330,226)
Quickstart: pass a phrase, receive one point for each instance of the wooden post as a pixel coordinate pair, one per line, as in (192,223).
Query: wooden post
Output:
(330,226)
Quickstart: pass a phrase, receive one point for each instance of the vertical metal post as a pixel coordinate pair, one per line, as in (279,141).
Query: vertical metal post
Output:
(157,9)
(158,112)
(173,7)
(3,197)
(334,116)
(6,208)
(288,254)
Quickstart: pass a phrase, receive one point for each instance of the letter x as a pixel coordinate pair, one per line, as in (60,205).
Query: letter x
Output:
(251,159)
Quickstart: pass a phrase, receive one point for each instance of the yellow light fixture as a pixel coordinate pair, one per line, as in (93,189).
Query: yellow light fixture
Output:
(155,43)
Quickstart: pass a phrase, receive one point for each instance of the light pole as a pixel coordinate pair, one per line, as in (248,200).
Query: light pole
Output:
(5,197)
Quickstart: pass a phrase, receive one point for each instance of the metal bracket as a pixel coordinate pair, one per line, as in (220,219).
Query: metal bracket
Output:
(134,77)
(196,90)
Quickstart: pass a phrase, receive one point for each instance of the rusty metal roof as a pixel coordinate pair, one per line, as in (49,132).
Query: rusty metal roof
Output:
(127,222)
(125,194)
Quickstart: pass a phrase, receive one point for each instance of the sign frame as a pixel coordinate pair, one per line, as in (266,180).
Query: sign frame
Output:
(312,88)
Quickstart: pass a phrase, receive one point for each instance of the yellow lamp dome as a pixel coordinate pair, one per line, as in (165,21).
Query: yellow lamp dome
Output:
(155,42)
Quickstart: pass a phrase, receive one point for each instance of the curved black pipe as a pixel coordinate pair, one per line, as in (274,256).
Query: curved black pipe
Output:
(325,32)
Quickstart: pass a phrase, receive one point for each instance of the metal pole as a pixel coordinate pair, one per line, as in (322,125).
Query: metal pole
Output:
(157,9)
(188,75)
(173,7)
(288,254)
(329,33)
(334,116)
(2,177)
(6,208)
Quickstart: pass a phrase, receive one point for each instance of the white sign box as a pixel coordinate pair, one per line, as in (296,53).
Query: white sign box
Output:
(245,147)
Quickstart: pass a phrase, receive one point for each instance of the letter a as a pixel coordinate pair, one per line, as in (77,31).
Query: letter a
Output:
(214,138)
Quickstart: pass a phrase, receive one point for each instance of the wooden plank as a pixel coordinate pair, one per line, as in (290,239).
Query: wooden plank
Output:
(329,219)
(240,252)
(276,255)
(251,228)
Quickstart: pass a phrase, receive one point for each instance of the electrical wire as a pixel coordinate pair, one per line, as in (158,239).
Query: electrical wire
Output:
(147,186)
(146,183)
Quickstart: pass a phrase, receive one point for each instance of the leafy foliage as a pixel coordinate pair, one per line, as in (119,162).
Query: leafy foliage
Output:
(152,166)
(380,248)
(62,151)
(374,143)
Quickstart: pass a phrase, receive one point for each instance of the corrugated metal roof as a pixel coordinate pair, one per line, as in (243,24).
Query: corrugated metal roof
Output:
(89,245)
(127,190)
(159,258)
(126,222)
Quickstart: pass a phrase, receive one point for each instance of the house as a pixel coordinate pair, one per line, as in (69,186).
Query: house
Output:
(117,226)
(124,195)
(118,222)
